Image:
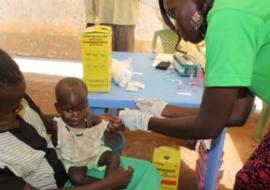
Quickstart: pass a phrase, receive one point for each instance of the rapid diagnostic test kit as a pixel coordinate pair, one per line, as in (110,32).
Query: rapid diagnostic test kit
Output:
(185,65)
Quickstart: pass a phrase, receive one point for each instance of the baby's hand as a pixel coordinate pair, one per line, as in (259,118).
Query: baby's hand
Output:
(120,177)
(115,123)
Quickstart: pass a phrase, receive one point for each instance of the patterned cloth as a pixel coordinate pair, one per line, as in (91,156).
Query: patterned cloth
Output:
(26,154)
(145,175)
(78,147)
(26,162)
(255,174)
(31,116)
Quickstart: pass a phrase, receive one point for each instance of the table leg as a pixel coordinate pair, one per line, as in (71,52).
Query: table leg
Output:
(215,156)
(113,111)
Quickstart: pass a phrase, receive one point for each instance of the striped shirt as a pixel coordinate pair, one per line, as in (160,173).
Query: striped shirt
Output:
(27,156)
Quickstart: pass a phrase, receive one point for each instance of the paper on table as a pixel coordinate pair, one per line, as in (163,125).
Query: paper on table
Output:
(134,86)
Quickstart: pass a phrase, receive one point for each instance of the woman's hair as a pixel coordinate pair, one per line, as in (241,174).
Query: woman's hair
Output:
(164,15)
(169,23)
(203,7)
(10,73)
(68,81)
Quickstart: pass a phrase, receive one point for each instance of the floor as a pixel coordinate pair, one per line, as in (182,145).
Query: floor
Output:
(239,142)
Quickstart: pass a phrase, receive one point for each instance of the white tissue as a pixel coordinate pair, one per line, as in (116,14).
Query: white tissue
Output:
(134,86)
(122,72)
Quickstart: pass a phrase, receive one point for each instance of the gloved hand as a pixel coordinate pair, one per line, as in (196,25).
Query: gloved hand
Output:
(151,105)
(135,119)
(115,123)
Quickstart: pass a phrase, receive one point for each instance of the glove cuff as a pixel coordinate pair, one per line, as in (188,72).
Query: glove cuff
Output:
(158,108)
(143,121)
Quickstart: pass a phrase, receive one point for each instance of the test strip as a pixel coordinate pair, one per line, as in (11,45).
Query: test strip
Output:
(137,73)
(184,93)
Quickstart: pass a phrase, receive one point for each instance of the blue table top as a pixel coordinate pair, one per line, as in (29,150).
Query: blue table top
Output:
(161,84)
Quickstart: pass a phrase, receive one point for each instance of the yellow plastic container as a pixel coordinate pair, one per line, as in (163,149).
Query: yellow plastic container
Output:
(167,161)
(96,43)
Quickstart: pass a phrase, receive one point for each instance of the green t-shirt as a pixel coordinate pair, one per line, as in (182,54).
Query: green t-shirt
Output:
(238,46)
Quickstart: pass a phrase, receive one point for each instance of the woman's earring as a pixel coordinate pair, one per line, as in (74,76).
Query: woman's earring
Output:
(196,20)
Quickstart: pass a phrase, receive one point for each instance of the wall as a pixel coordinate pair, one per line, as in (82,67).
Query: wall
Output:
(51,28)
(47,28)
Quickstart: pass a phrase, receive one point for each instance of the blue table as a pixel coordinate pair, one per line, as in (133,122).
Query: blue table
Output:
(161,84)
(157,84)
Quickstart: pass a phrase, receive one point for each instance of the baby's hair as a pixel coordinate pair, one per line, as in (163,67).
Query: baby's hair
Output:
(10,73)
(68,81)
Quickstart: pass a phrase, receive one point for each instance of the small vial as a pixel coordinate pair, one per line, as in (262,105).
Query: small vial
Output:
(192,83)
(200,75)
(179,85)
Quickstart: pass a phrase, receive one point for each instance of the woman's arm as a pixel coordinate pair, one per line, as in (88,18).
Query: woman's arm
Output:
(241,109)
(220,107)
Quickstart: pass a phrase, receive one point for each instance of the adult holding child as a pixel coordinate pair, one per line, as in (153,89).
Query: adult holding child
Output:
(28,159)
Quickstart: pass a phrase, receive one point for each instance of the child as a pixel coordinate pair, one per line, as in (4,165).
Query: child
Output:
(79,133)
(28,161)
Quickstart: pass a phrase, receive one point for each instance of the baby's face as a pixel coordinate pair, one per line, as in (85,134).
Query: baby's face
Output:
(73,108)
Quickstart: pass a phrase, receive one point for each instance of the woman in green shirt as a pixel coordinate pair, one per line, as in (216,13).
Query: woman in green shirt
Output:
(237,36)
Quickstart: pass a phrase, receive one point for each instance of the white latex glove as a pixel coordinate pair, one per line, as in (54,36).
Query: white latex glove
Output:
(135,119)
(151,105)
